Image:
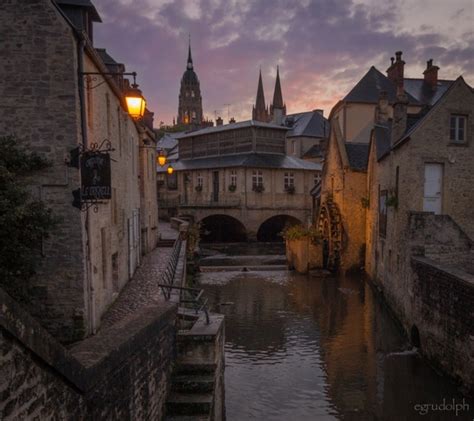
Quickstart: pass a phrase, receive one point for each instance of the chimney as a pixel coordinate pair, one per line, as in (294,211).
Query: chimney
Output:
(219,121)
(431,74)
(396,70)
(232,120)
(399,123)
(319,111)
(381,110)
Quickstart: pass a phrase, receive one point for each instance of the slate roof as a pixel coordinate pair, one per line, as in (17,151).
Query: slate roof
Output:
(368,88)
(250,160)
(168,141)
(358,154)
(316,151)
(423,92)
(232,126)
(307,124)
(82,3)
(106,58)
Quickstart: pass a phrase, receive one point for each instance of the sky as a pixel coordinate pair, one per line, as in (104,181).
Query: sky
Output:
(323,47)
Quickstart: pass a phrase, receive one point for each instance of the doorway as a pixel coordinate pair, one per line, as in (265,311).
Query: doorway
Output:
(432,197)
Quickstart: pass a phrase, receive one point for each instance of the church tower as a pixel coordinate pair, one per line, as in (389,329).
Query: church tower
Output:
(190,100)
(259,111)
(277,108)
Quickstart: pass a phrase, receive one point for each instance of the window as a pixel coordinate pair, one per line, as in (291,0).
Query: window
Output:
(382,212)
(293,147)
(172,181)
(317,178)
(457,128)
(233,178)
(200,180)
(257,178)
(192,94)
(194,114)
(289,180)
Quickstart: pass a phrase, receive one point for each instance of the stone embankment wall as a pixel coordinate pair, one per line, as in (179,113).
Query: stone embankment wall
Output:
(444,316)
(303,255)
(121,373)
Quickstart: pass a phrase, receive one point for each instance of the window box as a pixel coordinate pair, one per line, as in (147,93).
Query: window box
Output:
(258,188)
(232,188)
(290,189)
(199,188)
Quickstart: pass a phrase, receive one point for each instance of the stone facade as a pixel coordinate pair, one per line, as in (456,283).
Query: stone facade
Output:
(91,255)
(240,171)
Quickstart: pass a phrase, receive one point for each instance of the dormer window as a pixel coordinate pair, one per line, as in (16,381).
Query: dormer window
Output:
(457,128)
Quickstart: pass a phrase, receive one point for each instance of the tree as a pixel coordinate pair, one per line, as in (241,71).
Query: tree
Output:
(24,222)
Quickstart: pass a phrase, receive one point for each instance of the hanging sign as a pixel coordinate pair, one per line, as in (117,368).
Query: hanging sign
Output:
(95,176)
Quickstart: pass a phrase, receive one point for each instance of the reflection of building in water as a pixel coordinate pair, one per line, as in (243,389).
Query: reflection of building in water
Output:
(254,303)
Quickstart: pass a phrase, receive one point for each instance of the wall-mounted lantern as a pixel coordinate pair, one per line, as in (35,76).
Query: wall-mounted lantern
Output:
(170,170)
(134,99)
(161,158)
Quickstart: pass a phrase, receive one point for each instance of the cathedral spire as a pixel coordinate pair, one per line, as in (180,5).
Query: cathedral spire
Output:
(259,111)
(190,57)
(277,95)
(260,101)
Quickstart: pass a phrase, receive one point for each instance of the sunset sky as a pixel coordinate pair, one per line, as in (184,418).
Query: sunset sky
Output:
(323,47)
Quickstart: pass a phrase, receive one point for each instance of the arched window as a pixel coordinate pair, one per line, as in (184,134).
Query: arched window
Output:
(192,94)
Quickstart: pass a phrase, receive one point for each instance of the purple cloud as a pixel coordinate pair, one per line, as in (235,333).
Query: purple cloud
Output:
(323,48)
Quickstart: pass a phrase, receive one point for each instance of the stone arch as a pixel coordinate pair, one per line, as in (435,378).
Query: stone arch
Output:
(270,229)
(222,228)
(330,229)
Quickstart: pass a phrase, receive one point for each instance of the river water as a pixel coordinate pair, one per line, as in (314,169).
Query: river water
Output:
(320,348)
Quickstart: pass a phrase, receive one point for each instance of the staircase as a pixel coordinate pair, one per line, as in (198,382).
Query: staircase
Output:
(192,392)
(196,391)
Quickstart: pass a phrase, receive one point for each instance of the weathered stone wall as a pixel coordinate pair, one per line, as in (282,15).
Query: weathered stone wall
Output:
(347,188)
(121,373)
(40,106)
(444,238)
(443,315)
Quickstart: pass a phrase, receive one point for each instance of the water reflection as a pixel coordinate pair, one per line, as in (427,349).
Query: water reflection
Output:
(301,348)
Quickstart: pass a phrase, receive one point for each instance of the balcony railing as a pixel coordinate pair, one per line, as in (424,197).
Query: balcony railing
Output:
(224,202)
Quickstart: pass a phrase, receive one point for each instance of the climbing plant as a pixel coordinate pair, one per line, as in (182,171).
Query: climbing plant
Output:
(24,222)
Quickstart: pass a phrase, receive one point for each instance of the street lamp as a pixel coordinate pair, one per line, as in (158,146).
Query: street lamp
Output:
(134,99)
(161,158)
(135,102)
(170,169)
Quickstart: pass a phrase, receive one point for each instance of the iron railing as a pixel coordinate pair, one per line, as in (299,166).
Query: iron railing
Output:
(188,297)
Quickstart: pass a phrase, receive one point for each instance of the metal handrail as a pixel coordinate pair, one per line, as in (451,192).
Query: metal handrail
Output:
(198,303)
(166,284)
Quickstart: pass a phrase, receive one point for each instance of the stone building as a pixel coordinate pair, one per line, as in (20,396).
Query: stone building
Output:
(56,110)
(343,195)
(420,222)
(239,182)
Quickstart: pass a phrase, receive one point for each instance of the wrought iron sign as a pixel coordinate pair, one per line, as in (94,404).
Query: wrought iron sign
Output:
(95,175)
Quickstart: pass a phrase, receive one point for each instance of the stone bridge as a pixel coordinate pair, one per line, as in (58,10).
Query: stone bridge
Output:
(244,223)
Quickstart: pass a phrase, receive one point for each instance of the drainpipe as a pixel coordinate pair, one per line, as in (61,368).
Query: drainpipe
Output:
(82,105)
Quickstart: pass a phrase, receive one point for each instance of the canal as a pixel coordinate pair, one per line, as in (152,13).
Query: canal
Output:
(319,348)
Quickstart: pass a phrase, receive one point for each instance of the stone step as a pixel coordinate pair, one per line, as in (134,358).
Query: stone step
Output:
(195,368)
(180,403)
(193,383)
